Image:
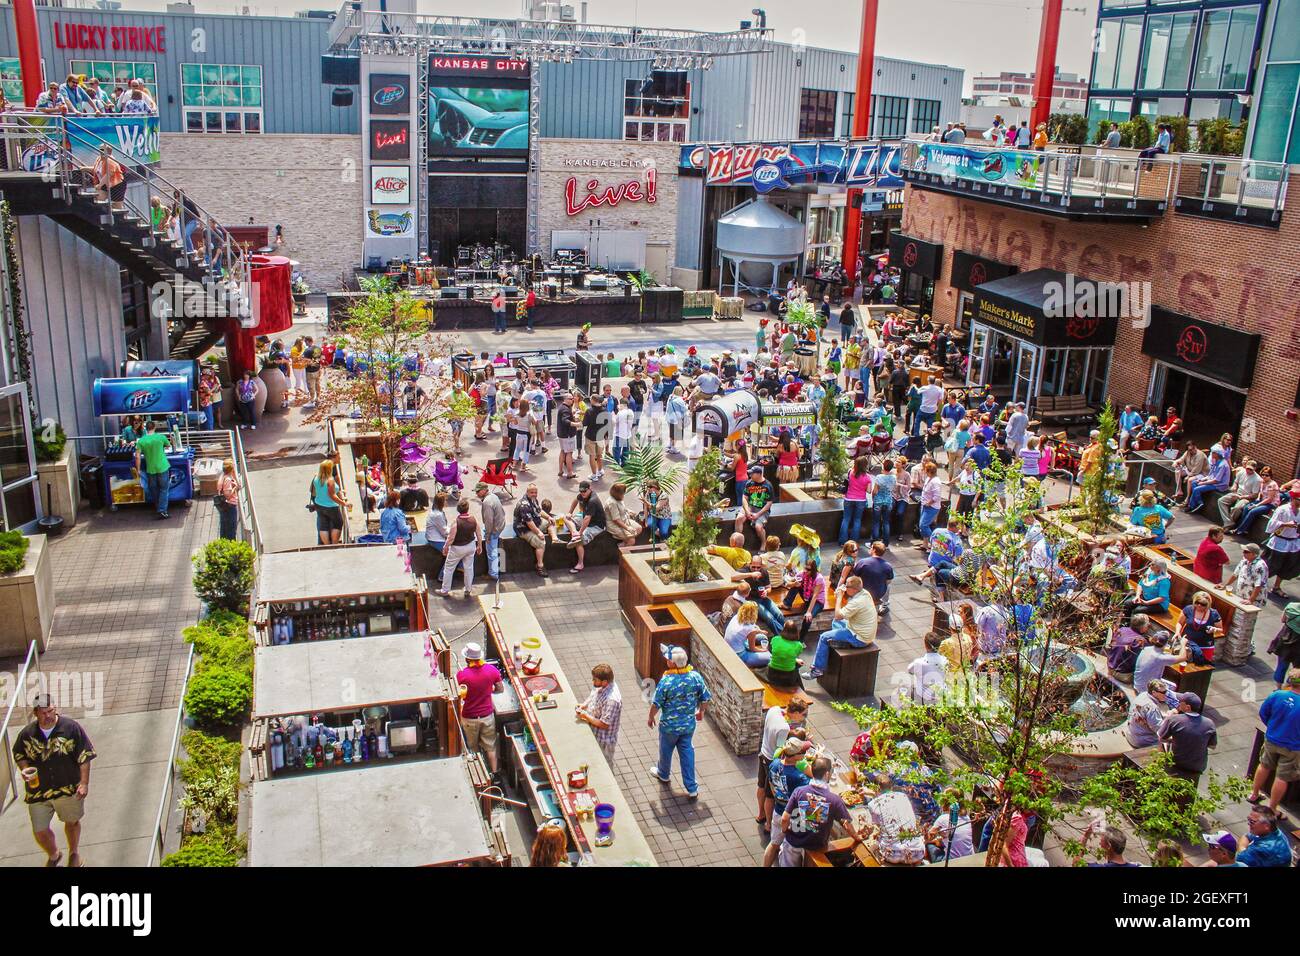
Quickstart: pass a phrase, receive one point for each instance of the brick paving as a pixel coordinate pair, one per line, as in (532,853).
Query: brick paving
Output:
(580,615)
(122,581)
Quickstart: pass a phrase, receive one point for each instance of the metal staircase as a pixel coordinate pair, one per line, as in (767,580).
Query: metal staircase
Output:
(196,272)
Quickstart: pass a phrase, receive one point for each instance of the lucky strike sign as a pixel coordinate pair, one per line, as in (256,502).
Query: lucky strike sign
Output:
(86,36)
(577,200)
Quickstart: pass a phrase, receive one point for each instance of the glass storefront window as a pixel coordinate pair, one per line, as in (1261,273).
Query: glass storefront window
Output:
(1286,31)
(1167,52)
(1114,111)
(1226,47)
(1114,65)
(1277,126)
(17,462)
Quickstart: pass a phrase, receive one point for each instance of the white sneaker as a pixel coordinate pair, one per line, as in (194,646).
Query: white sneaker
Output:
(467,594)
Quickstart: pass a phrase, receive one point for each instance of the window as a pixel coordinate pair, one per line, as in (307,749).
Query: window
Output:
(1114,65)
(1286,32)
(1226,48)
(1277,130)
(1168,52)
(1113,111)
(114,73)
(1113,4)
(846,114)
(889,117)
(221,98)
(925,115)
(655,117)
(816,114)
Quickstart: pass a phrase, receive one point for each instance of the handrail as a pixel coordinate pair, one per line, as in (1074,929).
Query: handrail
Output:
(222,258)
(246,493)
(1211,173)
(33,658)
(1068,174)
(158,838)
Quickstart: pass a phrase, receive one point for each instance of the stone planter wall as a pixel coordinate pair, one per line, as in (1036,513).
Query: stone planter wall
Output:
(59,483)
(639,584)
(737,705)
(27,602)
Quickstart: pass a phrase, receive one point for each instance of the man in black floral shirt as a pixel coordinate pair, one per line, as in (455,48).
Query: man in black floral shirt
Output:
(54,755)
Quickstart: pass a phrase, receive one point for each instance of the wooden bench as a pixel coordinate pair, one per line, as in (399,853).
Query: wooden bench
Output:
(1063,408)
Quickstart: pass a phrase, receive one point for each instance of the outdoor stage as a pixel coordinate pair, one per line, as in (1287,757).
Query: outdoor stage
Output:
(596,308)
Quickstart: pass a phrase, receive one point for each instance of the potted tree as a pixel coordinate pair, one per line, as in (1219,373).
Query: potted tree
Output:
(27,598)
(646,464)
(300,290)
(57,467)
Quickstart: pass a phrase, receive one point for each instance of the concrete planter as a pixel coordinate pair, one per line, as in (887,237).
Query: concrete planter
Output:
(653,625)
(27,601)
(59,483)
(806,491)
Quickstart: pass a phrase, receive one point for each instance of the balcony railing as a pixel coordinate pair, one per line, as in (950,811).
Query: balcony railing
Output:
(1063,180)
(1241,190)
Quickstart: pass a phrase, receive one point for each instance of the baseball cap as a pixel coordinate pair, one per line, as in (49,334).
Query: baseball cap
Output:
(1222,839)
(42,701)
(481,486)
(1251,548)
(473,652)
(794,747)
(676,656)
(1148,481)
(1192,700)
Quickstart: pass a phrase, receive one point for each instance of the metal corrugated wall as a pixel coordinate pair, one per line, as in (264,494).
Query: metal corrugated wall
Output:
(287,48)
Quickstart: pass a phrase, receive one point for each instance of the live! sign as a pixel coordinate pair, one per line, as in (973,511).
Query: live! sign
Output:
(85,36)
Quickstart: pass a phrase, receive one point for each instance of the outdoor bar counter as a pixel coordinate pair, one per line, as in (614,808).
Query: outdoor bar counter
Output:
(565,743)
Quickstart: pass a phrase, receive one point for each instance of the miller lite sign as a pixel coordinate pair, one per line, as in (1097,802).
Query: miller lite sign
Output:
(390,94)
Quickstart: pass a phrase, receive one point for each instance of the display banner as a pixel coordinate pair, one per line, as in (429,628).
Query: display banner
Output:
(915,255)
(779,165)
(390,94)
(134,138)
(390,139)
(390,185)
(971,271)
(141,395)
(1010,167)
(185,368)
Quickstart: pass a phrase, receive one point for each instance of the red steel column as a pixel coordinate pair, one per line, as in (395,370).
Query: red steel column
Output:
(29,48)
(861,130)
(1045,69)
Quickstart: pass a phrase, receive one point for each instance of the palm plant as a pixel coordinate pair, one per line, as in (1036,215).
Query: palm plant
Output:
(645,465)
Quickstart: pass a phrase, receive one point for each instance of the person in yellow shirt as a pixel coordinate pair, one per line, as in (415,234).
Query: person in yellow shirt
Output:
(1040,137)
(961,648)
(1091,455)
(735,555)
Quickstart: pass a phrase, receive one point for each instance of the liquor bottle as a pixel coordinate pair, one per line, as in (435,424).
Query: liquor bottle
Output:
(289,624)
(365,749)
(347,749)
(320,754)
(310,760)
(373,742)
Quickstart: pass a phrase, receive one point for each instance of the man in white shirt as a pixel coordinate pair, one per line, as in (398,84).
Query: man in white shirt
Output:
(931,399)
(777,724)
(854,624)
(1245,486)
(929,672)
(1150,708)
(624,425)
(897,834)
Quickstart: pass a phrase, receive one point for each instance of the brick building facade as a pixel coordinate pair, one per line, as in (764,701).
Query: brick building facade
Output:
(1236,276)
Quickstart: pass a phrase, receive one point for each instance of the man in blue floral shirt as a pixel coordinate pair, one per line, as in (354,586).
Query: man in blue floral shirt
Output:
(679,699)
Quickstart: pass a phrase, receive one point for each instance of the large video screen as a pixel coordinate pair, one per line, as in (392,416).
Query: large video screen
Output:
(478,120)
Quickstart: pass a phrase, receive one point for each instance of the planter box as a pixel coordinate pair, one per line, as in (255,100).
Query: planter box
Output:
(638,584)
(652,625)
(736,709)
(1060,516)
(27,601)
(60,483)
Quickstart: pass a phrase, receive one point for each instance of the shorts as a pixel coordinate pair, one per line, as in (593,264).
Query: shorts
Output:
(70,810)
(480,732)
(533,539)
(568,445)
(764,783)
(329,519)
(593,448)
(1286,762)
(776,835)
(589,535)
(790,856)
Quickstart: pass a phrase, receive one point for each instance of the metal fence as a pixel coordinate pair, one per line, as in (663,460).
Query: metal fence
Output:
(11,787)
(1240,182)
(167,802)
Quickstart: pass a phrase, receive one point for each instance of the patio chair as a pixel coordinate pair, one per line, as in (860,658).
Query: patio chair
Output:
(499,473)
(416,456)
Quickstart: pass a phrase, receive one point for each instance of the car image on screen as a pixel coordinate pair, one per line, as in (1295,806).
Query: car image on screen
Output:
(478,118)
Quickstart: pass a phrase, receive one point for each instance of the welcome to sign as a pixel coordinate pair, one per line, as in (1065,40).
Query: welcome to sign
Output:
(135,139)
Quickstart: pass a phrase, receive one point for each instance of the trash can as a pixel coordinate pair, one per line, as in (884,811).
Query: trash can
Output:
(90,475)
(805,357)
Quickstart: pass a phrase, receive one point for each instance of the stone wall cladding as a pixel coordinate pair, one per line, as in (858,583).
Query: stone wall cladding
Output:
(310,185)
(1243,277)
(738,716)
(658,220)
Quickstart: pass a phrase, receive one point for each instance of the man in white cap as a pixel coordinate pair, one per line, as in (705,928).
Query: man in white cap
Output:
(680,697)
(478,682)
(1223,849)
(1017,425)
(1249,577)
(53,754)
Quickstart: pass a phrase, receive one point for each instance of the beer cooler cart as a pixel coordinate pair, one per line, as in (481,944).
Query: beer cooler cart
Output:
(148,395)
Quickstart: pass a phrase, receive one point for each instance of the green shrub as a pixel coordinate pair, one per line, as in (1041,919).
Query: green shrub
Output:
(214,793)
(50,442)
(227,622)
(223,574)
(1071,128)
(217,649)
(13,551)
(209,851)
(205,753)
(218,696)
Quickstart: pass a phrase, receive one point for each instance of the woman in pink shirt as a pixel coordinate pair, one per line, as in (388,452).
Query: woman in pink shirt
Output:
(811,589)
(931,500)
(856,494)
(902,494)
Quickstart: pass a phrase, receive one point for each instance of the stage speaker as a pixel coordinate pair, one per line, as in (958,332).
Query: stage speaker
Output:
(342,96)
(662,305)
(552,290)
(340,70)
(511,292)
(587,373)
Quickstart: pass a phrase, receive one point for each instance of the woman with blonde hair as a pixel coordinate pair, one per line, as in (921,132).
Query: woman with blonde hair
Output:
(328,504)
(744,637)
(227,500)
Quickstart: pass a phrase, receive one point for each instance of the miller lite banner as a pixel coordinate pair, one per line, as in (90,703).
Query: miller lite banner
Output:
(390,185)
(768,166)
(390,94)
(1205,348)
(141,395)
